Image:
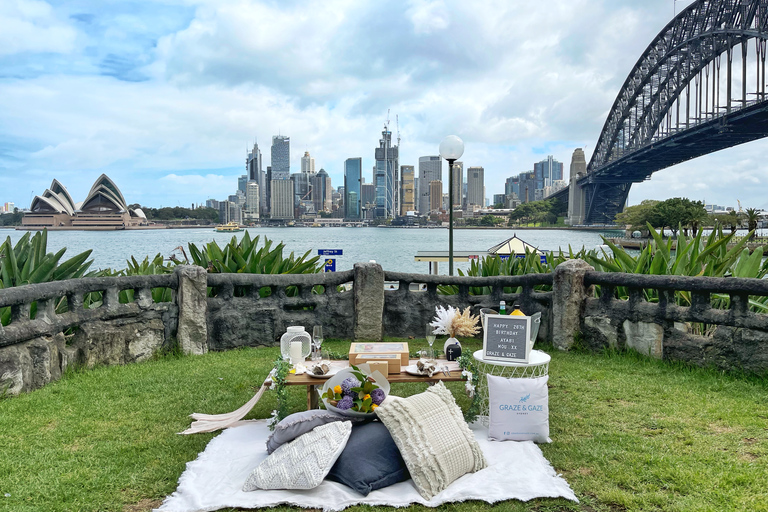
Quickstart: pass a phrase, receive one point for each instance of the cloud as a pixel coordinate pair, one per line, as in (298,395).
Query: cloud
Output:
(152,92)
(31,26)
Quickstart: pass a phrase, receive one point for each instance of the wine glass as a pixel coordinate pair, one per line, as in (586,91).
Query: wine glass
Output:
(317,341)
(430,334)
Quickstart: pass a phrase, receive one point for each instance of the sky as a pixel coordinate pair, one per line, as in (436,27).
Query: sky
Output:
(165,97)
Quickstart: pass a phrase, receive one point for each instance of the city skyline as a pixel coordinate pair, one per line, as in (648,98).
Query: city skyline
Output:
(163,97)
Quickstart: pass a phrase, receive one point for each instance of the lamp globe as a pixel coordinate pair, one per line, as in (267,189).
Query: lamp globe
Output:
(451,148)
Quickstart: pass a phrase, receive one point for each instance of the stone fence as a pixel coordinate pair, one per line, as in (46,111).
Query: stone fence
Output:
(95,321)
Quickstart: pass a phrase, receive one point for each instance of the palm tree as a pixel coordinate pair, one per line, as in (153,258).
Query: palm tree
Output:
(751,216)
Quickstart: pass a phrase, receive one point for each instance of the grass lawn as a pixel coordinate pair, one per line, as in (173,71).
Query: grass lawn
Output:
(628,433)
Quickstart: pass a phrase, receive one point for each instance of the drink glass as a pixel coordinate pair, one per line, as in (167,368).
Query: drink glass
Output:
(430,334)
(317,342)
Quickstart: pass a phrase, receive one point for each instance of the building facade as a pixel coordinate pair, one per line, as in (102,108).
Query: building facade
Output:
(282,199)
(307,164)
(547,171)
(353,176)
(385,177)
(407,190)
(322,192)
(458,180)
(475,187)
(430,169)
(435,195)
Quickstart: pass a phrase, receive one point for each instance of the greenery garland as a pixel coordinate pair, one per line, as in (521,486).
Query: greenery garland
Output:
(467,364)
(279,376)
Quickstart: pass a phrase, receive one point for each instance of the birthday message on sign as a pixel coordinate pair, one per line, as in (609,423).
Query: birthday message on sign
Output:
(506,338)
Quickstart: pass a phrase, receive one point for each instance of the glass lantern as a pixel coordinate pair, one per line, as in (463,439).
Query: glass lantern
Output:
(295,344)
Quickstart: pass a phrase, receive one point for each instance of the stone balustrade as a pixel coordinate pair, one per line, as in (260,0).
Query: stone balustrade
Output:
(55,325)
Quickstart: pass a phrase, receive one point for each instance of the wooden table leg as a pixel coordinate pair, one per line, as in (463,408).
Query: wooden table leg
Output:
(312,401)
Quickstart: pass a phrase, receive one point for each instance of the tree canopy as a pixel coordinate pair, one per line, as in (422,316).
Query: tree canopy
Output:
(671,213)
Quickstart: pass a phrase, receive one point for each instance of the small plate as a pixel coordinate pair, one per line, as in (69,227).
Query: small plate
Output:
(414,370)
(328,375)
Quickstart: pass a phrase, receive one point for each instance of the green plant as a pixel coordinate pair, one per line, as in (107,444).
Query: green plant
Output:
(28,262)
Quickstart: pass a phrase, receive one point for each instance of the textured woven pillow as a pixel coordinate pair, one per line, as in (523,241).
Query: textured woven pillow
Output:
(434,440)
(302,463)
(299,423)
(518,409)
(370,460)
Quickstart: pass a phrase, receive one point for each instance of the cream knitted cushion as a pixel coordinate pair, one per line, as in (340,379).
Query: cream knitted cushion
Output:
(433,438)
(304,462)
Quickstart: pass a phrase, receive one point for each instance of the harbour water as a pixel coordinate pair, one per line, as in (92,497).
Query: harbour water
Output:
(393,248)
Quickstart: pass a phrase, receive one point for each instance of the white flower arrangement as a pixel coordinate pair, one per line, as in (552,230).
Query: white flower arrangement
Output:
(454,322)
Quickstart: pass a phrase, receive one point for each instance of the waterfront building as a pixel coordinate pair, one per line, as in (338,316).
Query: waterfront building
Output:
(282,199)
(430,169)
(385,177)
(512,186)
(322,192)
(499,199)
(353,175)
(281,157)
(547,171)
(458,181)
(103,208)
(251,210)
(9,207)
(368,202)
(307,164)
(435,195)
(475,187)
(407,190)
(302,186)
(255,172)
(527,186)
(212,203)
(280,163)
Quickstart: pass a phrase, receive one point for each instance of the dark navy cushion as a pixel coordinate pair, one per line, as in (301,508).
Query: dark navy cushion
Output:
(370,460)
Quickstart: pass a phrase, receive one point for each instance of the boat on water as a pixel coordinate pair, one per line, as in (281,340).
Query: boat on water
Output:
(229,227)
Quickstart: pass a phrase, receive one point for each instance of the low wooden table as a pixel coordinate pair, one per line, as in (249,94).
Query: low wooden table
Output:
(311,382)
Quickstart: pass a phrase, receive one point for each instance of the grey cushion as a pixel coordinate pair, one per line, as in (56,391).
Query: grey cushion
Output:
(370,460)
(436,444)
(302,463)
(300,423)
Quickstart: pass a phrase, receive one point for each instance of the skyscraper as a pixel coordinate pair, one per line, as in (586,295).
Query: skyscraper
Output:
(475,187)
(407,192)
(255,172)
(282,199)
(435,195)
(322,191)
(241,181)
(458,179)
(353,174)
(547,171)
(280,168)
(307,164)
(251,211)
(430,169)
(385,177)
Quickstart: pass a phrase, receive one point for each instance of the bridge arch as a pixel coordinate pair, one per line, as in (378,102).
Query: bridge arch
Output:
(676,104)
(686,53)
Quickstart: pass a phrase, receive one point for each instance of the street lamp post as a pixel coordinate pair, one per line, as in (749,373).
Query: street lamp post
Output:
(451,148)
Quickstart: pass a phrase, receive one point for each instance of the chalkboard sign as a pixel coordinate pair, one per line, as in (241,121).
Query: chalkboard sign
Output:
(506,338)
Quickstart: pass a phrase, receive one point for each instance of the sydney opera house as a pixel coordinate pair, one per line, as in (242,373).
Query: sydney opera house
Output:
(104,208)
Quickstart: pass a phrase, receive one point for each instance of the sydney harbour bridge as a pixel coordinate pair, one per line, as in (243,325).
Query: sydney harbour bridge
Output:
(698,88)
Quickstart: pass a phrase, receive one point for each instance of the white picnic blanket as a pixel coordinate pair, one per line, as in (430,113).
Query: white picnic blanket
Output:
(214,480)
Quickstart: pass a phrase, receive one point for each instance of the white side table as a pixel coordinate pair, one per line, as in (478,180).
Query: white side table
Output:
(537,366)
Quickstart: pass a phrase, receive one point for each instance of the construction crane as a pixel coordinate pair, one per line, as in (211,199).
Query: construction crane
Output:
(397,125)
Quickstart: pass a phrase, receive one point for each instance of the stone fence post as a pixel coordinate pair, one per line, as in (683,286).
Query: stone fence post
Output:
(568,296)
(192,299)
(369,301)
